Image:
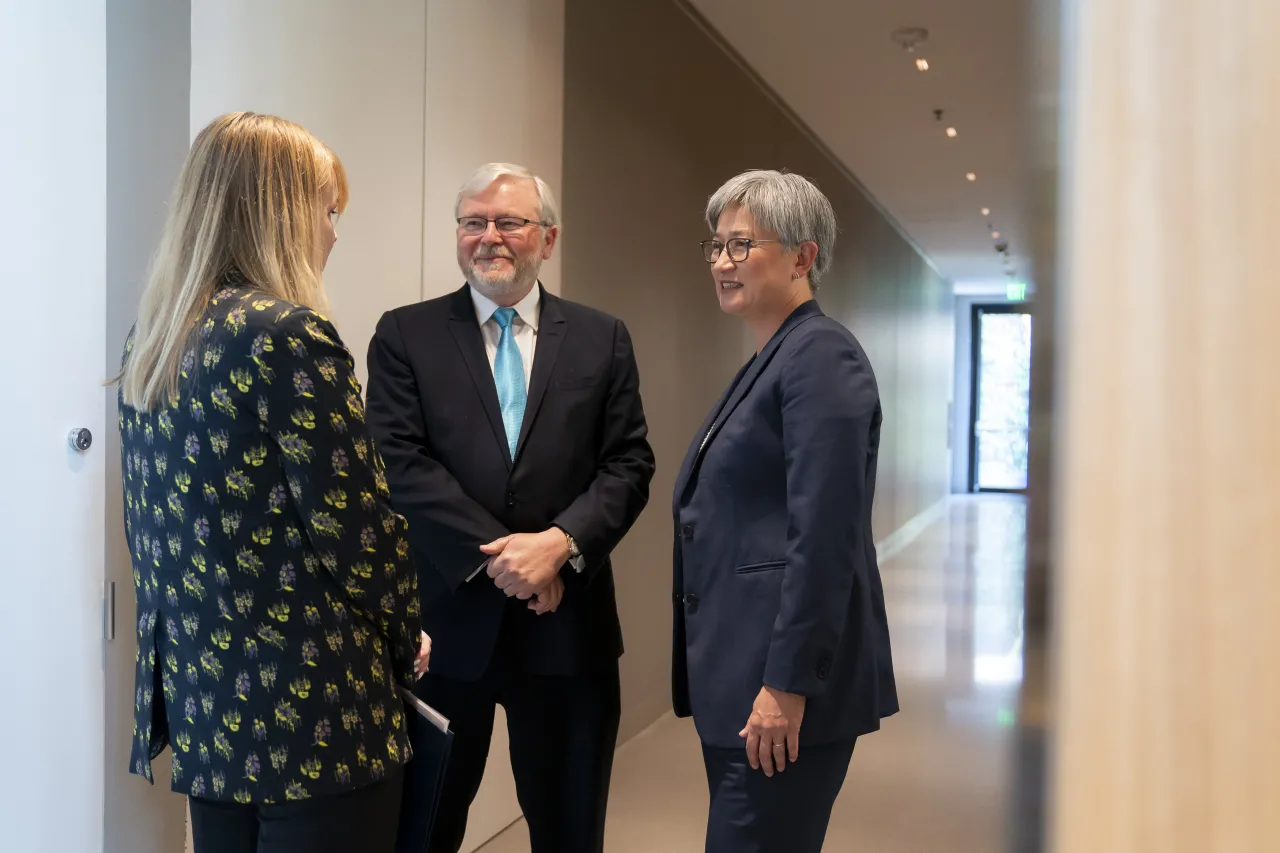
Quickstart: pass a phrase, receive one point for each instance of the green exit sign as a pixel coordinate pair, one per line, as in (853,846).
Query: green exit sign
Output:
(1015,291)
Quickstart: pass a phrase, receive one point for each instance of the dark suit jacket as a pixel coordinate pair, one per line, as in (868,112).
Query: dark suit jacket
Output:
(776,581)
(582,463)
(277,603)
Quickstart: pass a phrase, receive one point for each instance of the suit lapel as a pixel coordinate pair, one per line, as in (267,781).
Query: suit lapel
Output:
(551,332)
(700,437)
(466,333)
(740,388)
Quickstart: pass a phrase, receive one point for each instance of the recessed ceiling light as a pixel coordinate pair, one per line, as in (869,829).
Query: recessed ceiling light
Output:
(951,131)
(971,176)
(922,64)
(995,235)
(986,211)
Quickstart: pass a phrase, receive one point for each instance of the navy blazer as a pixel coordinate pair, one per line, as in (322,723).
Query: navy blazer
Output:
(776,581)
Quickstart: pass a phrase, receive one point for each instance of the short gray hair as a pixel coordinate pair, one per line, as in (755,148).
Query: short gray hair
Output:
(549,211)
(788,205)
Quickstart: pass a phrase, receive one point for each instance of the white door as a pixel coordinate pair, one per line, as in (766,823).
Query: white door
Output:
(52,342)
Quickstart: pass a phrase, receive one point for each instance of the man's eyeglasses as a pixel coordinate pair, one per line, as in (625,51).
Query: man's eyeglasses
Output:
(739,248)
(475,225)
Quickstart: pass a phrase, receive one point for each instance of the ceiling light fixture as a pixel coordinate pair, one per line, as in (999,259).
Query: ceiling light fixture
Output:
(909,38)
(995,235)
(952,132)
(971,176)
(986,211)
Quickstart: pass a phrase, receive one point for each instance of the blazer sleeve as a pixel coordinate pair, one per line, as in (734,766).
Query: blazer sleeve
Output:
(829,400)
(599,517)
(445,523)
(315,414)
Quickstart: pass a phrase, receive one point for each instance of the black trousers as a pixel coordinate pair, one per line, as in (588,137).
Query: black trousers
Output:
(563,730)
(788,813)
(363,819)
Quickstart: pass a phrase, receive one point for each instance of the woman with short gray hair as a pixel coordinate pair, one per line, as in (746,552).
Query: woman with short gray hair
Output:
(779,608)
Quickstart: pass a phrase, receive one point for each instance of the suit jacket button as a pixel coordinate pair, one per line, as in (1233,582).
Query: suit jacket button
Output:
(686,532)
(511,499)
(824,667)
(691,601)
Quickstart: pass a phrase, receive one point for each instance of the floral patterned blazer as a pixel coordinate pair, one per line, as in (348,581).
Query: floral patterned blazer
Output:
(277,604)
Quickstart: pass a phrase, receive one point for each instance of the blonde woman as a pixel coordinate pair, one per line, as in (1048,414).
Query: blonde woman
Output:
(277,606)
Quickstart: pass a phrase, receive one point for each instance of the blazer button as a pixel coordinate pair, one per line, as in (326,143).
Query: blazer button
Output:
(686,532)
(511,499)
(677,598)
(691,601)
(824,667)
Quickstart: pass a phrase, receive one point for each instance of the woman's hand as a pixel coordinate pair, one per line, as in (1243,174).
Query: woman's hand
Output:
(773,731)
(423,658)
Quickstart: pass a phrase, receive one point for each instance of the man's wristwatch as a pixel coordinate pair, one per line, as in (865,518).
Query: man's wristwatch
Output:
(575,554)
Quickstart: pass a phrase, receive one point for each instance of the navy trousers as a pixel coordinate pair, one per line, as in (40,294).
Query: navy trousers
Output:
(788,813)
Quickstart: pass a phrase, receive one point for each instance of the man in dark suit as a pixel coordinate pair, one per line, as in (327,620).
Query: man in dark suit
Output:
(515,444)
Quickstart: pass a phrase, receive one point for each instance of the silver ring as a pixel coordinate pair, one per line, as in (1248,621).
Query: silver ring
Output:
(779,746)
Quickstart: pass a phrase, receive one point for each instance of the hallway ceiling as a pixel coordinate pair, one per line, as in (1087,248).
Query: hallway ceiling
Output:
(834,63)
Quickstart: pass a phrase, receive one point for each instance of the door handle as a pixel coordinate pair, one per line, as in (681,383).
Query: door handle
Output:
(109,611)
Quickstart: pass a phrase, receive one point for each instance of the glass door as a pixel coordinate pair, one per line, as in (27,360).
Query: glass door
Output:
(1000,410)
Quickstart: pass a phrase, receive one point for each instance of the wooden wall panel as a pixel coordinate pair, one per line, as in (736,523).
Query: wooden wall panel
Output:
(1167,530)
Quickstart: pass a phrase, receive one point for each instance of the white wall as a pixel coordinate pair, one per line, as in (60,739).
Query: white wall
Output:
(53,233)
(351,73)
(495,92)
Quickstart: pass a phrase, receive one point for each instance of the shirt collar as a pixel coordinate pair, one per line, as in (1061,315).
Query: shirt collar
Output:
(528,309)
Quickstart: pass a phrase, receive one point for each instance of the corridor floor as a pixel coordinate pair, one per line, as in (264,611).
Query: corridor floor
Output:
(935,778)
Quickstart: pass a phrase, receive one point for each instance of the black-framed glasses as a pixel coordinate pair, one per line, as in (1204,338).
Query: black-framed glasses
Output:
(739,249)
(475,225)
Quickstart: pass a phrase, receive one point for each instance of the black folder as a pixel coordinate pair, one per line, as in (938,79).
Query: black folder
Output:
(424,774)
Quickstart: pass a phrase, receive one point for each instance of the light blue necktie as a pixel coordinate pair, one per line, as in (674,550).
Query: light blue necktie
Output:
(508,375)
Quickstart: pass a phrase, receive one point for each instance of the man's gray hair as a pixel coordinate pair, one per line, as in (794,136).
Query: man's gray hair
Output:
(488,173)
(785,204)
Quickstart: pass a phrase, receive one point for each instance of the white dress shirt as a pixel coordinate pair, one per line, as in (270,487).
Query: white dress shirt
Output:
(524,325)
(525,328)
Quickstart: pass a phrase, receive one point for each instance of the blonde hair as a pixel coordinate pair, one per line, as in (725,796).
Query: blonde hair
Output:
(248,202)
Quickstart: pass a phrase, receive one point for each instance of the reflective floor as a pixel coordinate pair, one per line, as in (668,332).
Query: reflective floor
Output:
(935,778)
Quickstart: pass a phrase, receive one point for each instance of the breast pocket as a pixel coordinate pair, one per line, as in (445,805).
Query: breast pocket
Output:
(573,383)
(753,568)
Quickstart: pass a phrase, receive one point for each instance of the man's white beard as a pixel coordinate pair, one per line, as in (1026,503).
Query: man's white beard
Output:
(498,286)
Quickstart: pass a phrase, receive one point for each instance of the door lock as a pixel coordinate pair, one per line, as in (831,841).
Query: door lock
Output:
(80,439)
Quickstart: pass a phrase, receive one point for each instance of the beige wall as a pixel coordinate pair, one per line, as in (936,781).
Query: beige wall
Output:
(1166,506)
(656,116)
